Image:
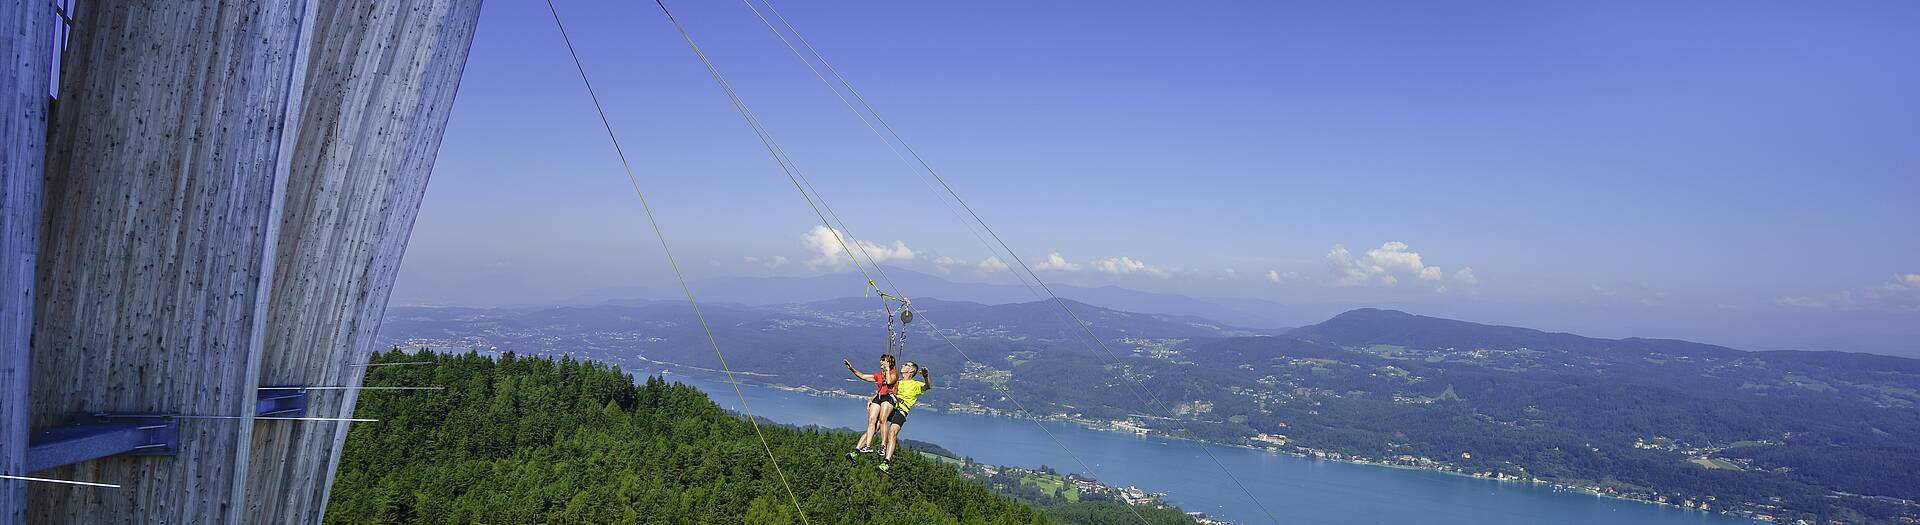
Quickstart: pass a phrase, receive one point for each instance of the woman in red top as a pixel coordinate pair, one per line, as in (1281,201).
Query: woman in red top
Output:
(879,405)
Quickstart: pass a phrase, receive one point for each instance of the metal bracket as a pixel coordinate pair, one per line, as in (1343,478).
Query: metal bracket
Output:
(93,436)
(280,402)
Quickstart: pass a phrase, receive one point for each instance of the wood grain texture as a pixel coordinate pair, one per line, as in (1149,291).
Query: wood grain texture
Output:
(380,84)
(26,43)
(167,163)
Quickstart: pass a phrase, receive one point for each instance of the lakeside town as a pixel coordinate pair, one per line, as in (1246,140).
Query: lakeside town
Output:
(1273,443)
(1044,482)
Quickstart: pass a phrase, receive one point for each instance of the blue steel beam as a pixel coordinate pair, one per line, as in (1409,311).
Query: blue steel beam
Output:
(95,436)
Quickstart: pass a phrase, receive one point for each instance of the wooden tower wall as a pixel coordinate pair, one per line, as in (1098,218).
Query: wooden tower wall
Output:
(230,185)
(166,168)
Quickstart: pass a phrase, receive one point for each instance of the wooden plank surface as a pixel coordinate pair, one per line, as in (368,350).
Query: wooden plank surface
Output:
(26,42)
(380,85)
(167,163)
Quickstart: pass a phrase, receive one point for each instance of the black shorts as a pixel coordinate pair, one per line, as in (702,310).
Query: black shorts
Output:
(897,417)
(882,398)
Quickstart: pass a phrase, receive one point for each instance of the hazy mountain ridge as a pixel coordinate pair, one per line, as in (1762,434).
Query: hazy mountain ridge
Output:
(814,335)
(1370,326)
(763,291)
(1882,335)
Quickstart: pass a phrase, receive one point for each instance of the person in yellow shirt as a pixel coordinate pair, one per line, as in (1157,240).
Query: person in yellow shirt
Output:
(905,393)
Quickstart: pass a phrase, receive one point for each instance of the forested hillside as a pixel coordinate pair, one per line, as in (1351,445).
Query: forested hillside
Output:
(538,440)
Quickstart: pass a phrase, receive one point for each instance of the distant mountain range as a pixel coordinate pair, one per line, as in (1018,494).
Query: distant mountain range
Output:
(755,291)
(658,330)
(1889,333)
(1372,326)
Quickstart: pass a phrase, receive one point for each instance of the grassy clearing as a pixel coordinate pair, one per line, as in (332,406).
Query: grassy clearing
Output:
(1808,383)
(1046,483)
(1386,350)
(1716,464)
(1049,483)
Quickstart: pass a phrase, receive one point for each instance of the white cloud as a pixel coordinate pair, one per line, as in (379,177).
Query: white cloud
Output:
(1904,288)
(1128,266)
(1275,277)
(1465,276)
(827,243)
(1389,265)
(1800,301)
(993,264)
(1901,294)
(770,262)
(1056,263)
(943,265)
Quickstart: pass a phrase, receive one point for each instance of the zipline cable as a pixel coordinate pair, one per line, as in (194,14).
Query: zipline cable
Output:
(787,166)
(677,274)
(1135,388)
(818,202)
(862,116)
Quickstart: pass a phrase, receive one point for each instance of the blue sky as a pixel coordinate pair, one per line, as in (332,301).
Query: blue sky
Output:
(1734,172)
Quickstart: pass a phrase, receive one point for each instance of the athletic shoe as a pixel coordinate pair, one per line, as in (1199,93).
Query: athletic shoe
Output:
(864,450)
(884,467)
(853,457)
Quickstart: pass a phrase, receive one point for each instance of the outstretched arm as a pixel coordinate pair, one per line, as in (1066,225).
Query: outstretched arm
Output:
(856,373)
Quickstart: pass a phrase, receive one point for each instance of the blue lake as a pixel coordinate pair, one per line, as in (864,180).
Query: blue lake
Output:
(1296,490)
